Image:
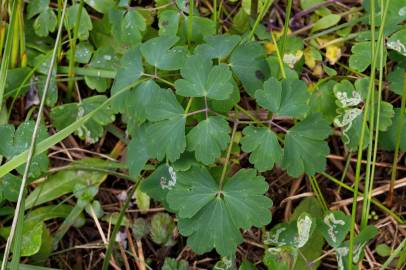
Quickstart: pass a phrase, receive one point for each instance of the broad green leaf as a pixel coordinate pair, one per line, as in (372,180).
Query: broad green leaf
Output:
(383,250)
(396,78)
(137,152)
(173,264)
(280,258)
(35,7)
(132,26)
(129,71)
(209,138)
(167,138)
(32,238)
(45,23)
(162,226)
(83,52)
(201,27)
(156,184)
(102,6)
(322,100)
(397,42)
(52,95)
(45,213)
(360,58)
(334,227)
(305,149)
(168,22)
(248,63)
(15,141)
(211,217)
(142,200)
(326,22)
(354,133)
(161,53)
(85,24)
(247,265)
(360,242)
(10,187)
(313,249)
(105,59)
(66,114)
(219,46)
(388,138)
(263,145)
(202,79)
(60,184)
(286,98)
(385,116)
(138,101)
(166,135)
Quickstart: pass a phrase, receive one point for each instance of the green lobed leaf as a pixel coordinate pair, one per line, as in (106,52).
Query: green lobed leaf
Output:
(218,46)
(202,79)
(212,218)
(45,23)
(334,227)
(15,141)
(66,114)
(168,22)
(286,98)
(137,152)
(305,149)
(161,53)
(209,138)
(263,145)
(85,23)
(248,63)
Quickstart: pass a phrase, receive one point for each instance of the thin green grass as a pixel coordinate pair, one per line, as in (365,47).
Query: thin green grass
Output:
(18,220)
(7,52)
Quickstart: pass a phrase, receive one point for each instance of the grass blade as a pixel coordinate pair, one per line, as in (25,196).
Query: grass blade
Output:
(18,219)
(7,52)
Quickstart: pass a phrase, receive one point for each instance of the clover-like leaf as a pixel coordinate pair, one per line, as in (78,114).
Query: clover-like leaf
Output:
(201,79)
(334,227)
(305,149)
(397,42)
(212,217)
(105,59)
(15,141)
(209,138)
(388,138)
(166,135)
(385,116)
(132,26)
(168,22)
(129,71)
(263,145)
(45,23)
(92,130)
(102,6)
(248,63)
(286,98)
(85,23)
(160,53)
(219,46)
(360,58)
(137,152)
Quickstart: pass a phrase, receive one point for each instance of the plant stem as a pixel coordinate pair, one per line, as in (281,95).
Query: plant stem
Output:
(18,219)
(362,136)
(264,9)
(71,72)
(7,52)
(280,60)
(230,146)
(190,22)
(286,26)
(399,128)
